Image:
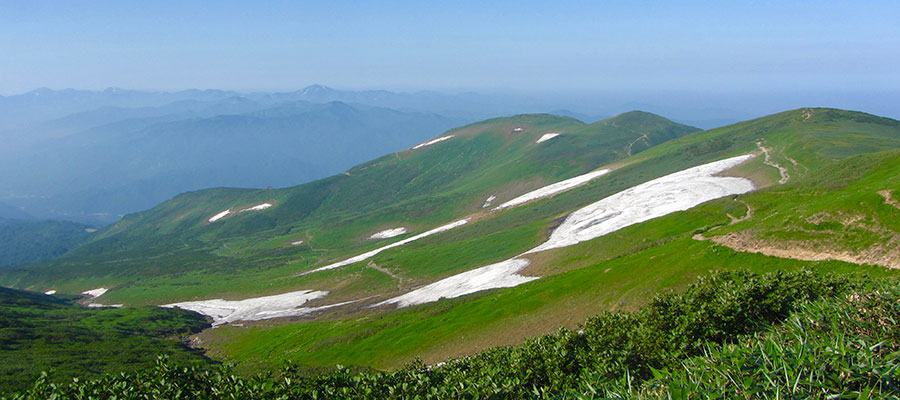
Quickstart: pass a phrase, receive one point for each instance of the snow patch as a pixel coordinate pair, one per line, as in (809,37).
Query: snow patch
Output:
(95,292)
(433,141)
(258,207)
(372,253)
(219,216)
(674,192)
(50,292)
(297,243)
(487,203)
(553,189)
(547,136)
(279,305)
(499,275)
(98,305)
(90,230)
(388,233)
(222,214)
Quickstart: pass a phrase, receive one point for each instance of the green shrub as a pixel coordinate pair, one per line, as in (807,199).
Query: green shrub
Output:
(837,348)
(612,352)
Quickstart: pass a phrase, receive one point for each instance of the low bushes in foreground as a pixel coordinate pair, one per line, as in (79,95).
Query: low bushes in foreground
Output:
(835,336)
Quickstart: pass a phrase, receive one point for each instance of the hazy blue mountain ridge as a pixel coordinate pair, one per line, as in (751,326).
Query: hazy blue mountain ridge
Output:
(130,165)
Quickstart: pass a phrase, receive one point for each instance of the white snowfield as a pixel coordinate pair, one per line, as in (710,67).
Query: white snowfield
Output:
(297,243)
(367,255)
(222,214)
(553,189)
(547,136)
(279,305)
(675,192)
(95,292)
(502,274)
(219,216)
(432,141)
(388,233)
(488,201)
(50,292)
(258,207)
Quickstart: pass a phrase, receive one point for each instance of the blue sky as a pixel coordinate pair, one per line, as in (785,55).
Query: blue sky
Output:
(515,46)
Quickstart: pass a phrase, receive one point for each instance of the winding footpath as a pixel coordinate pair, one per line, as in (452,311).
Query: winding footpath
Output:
(768,161)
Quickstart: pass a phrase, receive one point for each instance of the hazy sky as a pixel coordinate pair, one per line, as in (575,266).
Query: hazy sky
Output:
(516,45)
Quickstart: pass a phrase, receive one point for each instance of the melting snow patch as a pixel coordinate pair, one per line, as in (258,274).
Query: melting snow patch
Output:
(50,292)
(388,233)
(95,292)
(674,192)
(433,141)
(297,243)
(372,253)
(487,203)
(499,275)
(258,207)
(280,305)
(547,136)
(97,305)
(219,216)
(555,188)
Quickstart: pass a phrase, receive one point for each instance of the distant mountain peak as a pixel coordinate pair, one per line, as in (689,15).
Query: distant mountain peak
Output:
(39,91)
(316,90)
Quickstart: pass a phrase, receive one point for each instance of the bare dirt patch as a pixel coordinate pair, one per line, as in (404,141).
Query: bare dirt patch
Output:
(888,199)
(886,254)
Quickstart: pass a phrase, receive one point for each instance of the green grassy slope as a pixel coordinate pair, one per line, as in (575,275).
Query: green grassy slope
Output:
(617,271)
(832,160)
(842,211)
(732,335)
(48,333)
(171,252)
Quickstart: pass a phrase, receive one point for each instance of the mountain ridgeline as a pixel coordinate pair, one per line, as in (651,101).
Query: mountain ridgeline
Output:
(135,163)
(814,217)
(418,187)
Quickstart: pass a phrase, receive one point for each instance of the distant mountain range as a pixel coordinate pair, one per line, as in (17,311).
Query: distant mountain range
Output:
(131,159)
(92,156)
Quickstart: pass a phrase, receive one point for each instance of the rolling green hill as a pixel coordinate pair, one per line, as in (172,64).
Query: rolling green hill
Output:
(617,271)
(825,200)
(172,252)
(100,173)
